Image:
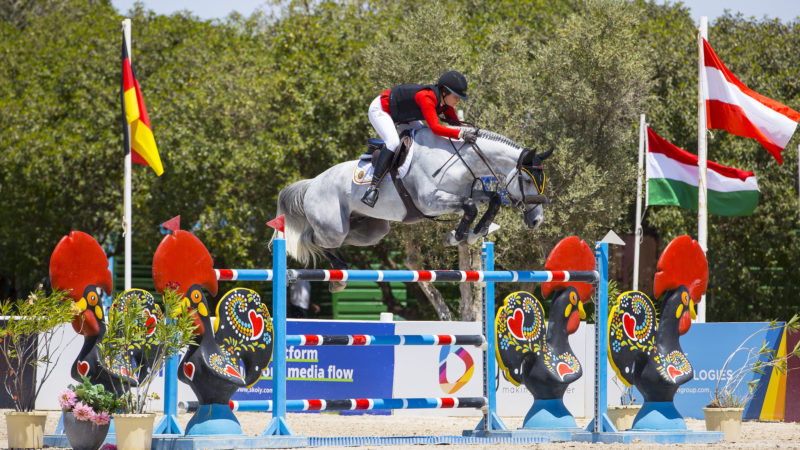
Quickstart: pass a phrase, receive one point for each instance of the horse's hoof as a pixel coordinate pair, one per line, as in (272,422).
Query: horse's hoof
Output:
(473,238)
(450,238)
(337,286)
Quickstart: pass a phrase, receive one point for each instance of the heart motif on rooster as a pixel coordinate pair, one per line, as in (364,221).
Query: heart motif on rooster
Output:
(256,323)
(564,369)
(629,325)
(674,372)
(83,368)
(188,370)
(515,324)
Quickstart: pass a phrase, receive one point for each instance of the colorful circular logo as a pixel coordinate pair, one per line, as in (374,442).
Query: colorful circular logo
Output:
(469,368)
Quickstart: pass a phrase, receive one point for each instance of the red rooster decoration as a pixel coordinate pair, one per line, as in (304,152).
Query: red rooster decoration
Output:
(644,350)
(229,355)
(79,266)
(540,356)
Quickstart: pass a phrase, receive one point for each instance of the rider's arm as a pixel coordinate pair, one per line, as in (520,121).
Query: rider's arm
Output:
(427,103)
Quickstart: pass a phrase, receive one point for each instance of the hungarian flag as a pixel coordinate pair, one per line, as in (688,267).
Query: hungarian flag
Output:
(672,179)
(140,139)
(732,106)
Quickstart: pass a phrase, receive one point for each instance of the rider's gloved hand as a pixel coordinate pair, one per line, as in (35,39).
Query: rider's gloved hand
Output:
(470,137)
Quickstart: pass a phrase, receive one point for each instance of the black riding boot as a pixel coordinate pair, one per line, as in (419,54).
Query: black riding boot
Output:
(384,159)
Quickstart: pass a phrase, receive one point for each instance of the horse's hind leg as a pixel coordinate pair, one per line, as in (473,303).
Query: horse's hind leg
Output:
(366,231)
(338,263)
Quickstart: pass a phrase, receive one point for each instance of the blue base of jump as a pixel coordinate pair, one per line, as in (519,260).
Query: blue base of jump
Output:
(553,435)
(168,425)
(406,441)
(549,414)
(658,416)
(213,420)
(619,437)
(173,442)
(650,437)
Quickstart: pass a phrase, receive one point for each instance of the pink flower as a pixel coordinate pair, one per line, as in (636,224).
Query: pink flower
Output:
(100,418)
(67,399)
(82,411)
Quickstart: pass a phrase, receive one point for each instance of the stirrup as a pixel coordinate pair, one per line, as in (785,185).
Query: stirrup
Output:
(370,197)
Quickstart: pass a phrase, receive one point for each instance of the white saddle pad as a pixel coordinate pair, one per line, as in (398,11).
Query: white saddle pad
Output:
(364,170)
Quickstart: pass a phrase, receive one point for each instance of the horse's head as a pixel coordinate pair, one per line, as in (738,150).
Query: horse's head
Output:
(526,186)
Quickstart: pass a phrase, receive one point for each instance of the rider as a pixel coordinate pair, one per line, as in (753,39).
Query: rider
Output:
(409,102)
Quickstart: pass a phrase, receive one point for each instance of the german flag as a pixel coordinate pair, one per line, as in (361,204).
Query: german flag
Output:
(140,139)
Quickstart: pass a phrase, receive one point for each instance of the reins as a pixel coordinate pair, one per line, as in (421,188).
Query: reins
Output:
(457,152)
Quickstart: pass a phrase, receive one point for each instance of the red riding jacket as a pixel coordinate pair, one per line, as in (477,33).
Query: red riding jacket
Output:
(426,99)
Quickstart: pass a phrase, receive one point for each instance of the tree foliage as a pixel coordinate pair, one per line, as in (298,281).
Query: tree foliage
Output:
(243,106)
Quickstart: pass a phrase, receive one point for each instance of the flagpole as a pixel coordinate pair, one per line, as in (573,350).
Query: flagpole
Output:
(127,225)
(638,230)
(702,155)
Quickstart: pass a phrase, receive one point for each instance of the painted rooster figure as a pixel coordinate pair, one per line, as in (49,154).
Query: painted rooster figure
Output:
(646,351)
(229,356)
(540,356)
(79,265)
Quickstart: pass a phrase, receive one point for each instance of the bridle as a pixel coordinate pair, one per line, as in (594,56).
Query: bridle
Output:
(519,203)
(526,168)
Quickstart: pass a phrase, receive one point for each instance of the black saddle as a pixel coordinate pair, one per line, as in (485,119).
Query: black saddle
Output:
(374,146)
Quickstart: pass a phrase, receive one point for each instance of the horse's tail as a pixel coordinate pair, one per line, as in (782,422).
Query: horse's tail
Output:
(299,234)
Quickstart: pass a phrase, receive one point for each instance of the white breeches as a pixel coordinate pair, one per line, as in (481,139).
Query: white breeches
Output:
(383,124)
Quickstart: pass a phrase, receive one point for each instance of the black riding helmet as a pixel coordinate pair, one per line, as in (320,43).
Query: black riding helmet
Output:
(454,82)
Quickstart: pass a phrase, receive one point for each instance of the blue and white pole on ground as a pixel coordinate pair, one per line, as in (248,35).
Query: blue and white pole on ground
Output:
(278,425)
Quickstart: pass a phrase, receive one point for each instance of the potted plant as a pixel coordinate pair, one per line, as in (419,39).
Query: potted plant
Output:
(138,342)
(724,413)
(622,415)
(30,324)
(87,414)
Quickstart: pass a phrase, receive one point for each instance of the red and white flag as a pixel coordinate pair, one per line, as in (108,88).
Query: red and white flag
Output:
(732,106)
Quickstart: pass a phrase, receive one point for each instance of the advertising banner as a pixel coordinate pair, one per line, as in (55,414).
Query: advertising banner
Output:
(332,372)
(436,370)
(708,345)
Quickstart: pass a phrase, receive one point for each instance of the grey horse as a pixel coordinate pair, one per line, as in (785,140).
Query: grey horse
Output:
(444,177)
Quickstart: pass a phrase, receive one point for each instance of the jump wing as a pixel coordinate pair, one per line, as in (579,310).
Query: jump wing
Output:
(631,333)
(520,328)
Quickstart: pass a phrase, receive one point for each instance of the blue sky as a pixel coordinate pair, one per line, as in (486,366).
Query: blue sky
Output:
(785,10)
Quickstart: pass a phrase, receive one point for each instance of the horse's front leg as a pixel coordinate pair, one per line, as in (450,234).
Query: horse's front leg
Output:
(338,263)
(482,229)
(456,236)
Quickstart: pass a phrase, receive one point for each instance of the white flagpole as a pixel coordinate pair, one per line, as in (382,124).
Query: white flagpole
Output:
(127,220)
(638,231)
(702,155)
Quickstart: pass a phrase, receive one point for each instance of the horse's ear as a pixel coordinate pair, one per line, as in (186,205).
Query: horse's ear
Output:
(545,154)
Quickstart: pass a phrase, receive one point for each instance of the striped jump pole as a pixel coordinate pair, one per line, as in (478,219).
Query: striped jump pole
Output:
(351,404)
(476,340)
(413,276)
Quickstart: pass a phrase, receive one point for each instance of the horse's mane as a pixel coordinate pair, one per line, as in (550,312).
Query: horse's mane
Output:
(492,136)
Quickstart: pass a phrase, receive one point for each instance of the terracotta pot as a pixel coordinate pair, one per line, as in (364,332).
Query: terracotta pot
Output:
(84,434)
(727,420)
(134,431)
(25,429)
(622,416)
